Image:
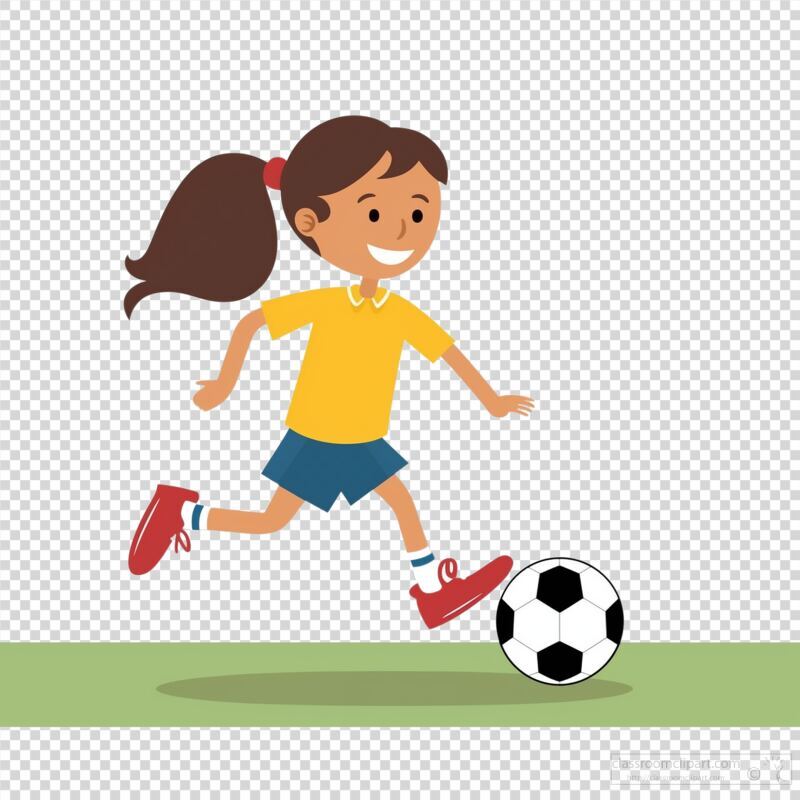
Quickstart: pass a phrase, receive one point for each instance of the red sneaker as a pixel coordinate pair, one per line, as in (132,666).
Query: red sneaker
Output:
(459,594)
(161,521)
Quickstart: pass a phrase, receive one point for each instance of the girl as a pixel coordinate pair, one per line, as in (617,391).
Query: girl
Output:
(366,198)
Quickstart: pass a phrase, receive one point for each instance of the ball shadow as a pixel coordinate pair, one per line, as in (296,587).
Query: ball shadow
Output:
(381,688)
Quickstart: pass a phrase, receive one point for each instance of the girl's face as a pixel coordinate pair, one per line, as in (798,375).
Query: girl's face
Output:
(378,227)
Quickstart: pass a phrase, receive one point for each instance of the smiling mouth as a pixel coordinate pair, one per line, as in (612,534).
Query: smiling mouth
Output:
(390,257)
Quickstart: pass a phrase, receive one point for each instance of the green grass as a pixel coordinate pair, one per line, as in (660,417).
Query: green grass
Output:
(390,684)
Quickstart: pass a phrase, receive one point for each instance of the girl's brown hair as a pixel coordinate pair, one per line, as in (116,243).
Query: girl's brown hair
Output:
(217,237)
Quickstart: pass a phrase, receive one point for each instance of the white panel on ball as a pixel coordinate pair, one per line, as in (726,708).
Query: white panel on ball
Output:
(522,589)
(522,657)
(543,678)
(597,589)
(575,566)
(543,566)
(597,657)
(583,625)
(536,625)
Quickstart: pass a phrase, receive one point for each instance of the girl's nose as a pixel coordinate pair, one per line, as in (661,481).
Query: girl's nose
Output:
(402,228)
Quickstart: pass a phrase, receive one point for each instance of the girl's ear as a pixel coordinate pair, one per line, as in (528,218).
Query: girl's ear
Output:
(305,220)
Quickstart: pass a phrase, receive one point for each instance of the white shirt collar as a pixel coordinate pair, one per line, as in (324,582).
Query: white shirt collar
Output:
(378,299)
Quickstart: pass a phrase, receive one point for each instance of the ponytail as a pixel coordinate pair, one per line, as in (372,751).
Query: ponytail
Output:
(217,238)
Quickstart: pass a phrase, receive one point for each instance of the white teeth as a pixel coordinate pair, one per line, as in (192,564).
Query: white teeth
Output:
(389,257)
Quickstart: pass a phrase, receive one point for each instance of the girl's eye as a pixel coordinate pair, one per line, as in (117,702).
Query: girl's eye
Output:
(416,215)
(374,215)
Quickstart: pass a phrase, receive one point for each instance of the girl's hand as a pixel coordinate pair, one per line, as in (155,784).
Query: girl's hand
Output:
(212,394)
(502,405)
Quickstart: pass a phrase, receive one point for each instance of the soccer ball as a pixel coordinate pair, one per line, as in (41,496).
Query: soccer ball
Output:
(559,621)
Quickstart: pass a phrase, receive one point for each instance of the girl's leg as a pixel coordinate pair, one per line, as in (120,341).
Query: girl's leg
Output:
(282,507)
(423,562)
(438,602)
(399,499)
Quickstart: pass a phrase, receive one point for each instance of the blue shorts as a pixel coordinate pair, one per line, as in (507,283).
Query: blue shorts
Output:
(318,471)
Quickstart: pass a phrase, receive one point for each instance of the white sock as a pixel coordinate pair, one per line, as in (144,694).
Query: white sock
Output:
(425,567)
(195,517)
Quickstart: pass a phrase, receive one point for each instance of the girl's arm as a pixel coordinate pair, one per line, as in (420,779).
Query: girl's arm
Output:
(497,405)
(217,390)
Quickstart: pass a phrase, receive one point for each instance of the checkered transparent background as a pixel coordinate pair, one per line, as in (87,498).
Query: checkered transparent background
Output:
(382,762)
(616,239)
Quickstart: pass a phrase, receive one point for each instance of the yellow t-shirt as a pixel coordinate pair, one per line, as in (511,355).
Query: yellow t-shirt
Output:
(345,387)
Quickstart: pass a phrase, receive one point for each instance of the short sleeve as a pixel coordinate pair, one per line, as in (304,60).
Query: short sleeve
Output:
(292,311)
(425,335)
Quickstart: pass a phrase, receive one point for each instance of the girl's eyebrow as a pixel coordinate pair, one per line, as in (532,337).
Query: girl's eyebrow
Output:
(364,197)
(421,197)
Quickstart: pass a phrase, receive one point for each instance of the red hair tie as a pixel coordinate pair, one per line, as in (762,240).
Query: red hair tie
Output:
(272,172)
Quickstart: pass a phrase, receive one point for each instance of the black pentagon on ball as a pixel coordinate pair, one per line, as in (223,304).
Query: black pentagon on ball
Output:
(505,622)
(560,662)
(614,622)
(559,588)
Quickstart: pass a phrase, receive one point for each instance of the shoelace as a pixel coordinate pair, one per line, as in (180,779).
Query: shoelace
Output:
(182,539)
(447,566)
